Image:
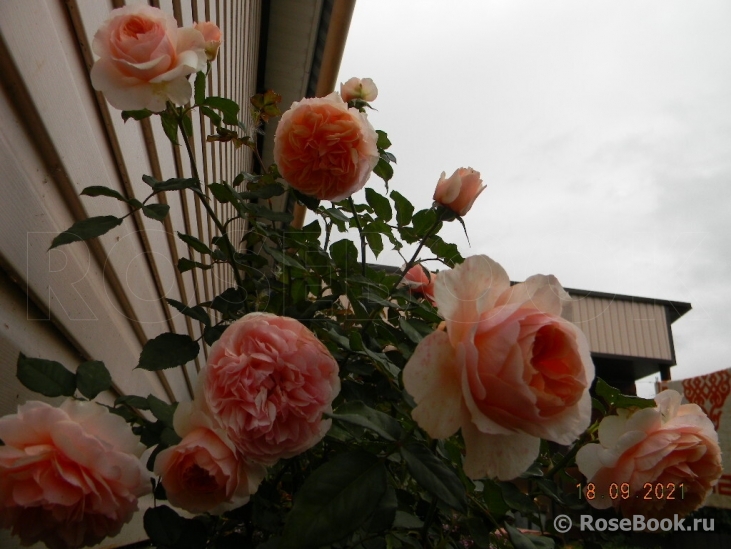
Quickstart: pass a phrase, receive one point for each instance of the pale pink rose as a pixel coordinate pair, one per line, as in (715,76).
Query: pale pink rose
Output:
(507,371)
(420,282)
(69,476)
(145,59)
(669,445)
(460,191)
(325,149)
(202,474)
(268,381)
(357,88)
(212,35)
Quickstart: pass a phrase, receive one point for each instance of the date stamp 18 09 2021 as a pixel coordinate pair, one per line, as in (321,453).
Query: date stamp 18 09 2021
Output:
(650,491)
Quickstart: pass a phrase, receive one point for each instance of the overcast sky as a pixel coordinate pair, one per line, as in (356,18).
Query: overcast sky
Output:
(602,130)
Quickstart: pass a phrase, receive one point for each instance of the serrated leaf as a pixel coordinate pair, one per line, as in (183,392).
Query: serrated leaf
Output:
(434,476)
(168,350)
(47,377)
(98,190)
(223,193)
(615,398)
(375,242)
(335,500)
(158,212)
(162,410)
(197,312)
(358,413)
(86,230)
(380,204)
(92,378)
(383,170)
(383,141)
(212,115)
(404,208)
(194,243)
(170,126)
(344,254)
(228,108)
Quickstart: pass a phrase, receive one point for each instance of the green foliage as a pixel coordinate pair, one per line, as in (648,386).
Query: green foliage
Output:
(92,378)
(86,230)
(168,350)
(46,377)
(615,399)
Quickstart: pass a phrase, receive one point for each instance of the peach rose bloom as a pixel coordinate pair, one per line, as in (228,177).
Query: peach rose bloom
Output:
(357,88)
(145,59)
(202,474)
(69,476)
(212,35)
(420,282)
(325,149)
(268,381)
(671,444)
(507,371)
(459,192)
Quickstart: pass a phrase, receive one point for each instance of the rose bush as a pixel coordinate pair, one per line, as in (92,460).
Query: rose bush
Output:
(673,444)
(459,192)
(145,59)
(203,474)
(356,88)
(325,149)
(269,380)
(508,371)
(69,476)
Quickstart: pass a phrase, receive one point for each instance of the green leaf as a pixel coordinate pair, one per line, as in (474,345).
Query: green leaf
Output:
(424,220)
(344,254)
(515,499)
(98,190)
(163,525)
(194,243)
(265,191)
(493,497)
(176,184)
(383,141)
(480,532)
(383,170)
(185,264)
(260,210)
(136,115)
(375,241)
(134,401)
(404,208)
(309,201)
(433,475)
(409,331)
(158,212)
(229,302)
(162,410)
(187,124)
(213,334)
(359,414)
(384,515)
(197,313)
(615,398)
(47,377)
(167,351)
(212,115)
(170,126)
(224,193)
(92,378)
(523,541)
(335,500)
(380,204)
(199,89)
(86,229)
(228,108)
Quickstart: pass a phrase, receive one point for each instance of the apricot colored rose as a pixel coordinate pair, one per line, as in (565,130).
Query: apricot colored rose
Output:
(145,59)
(668,446)
(268,381)
(357,88)
(212,35)
(507,371)
(420,282)
(325,149)
(202,474)
(459,192)
(69,476)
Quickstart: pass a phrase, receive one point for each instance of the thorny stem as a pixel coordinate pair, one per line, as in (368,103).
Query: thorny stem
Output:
(571,454)
(207,206)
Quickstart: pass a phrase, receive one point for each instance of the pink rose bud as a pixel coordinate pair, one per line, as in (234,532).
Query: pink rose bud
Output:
(212,35)
(69,476)
(460,191)
(663,461)
(145,59)
(420,282)
(356,88)
(324,148)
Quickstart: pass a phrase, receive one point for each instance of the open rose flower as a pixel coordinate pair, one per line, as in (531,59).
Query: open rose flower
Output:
(203,473)
(508,371)
(420,282)
(459,192)
(670,445)
(325,149)
(269,380)
(145,59)
(357,88)
(212,35)
(69,476)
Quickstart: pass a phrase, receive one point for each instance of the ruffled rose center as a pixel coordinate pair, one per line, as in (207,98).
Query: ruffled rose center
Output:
(198,480)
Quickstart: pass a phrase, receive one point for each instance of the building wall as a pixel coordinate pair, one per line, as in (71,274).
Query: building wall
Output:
(103,299)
